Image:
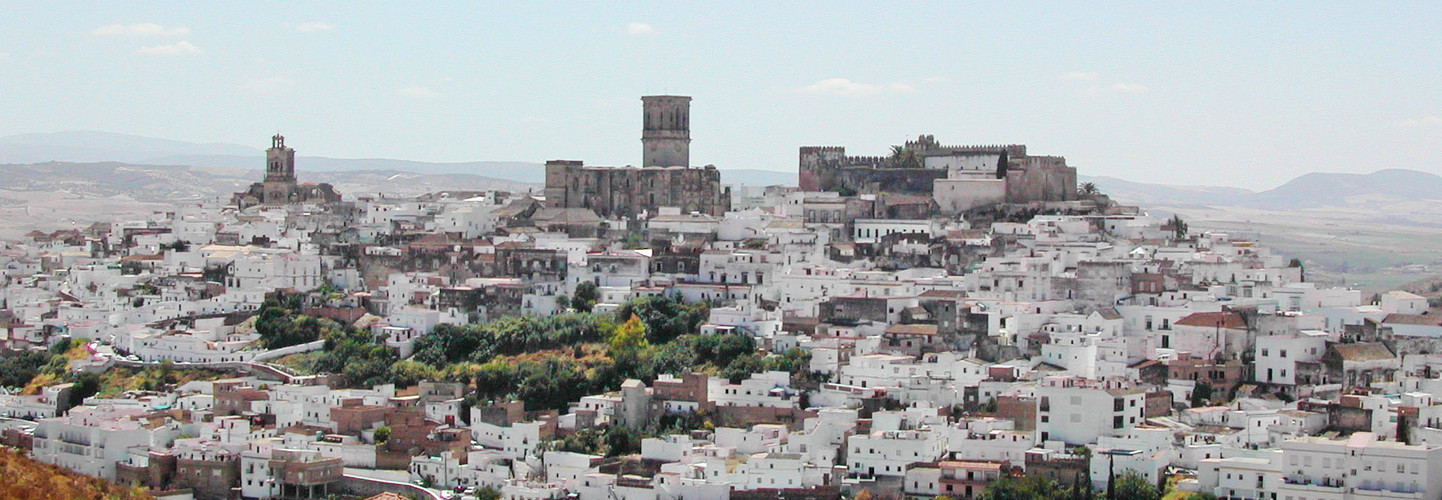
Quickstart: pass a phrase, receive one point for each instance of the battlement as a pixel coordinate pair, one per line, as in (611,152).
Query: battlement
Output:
(1027,179)
(1010,149)
(866,160)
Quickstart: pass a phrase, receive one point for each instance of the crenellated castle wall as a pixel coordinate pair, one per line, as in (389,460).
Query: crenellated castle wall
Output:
(1028,178)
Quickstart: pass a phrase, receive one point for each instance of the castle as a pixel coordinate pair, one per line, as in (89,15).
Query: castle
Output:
(665,178)
(280,186)
(958,177)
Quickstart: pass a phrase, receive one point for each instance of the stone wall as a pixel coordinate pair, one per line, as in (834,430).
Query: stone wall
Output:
(367,487)
(741,416)
(1041,183)
(954,196)
(631,192)
(1028,179)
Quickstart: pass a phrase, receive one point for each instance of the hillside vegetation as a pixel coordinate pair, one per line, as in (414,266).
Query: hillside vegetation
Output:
(29,479)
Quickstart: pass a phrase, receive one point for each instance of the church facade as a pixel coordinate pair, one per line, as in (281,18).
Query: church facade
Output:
(664,179)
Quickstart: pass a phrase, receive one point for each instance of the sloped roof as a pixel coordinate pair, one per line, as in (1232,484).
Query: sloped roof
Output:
(1413,319)
(1363,351)
(1224,319)
(943,294)
(566,216)
(912,329)
(516,207)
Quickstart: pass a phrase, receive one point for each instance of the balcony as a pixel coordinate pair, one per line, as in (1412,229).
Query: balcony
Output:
(75,440)
(1325,485)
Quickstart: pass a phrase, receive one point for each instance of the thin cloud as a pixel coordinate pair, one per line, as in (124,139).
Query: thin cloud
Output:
(181,48)
(1426,121)
(418,92)
(640,29)
(937,79)
(314,27)
(846,87)
(272,85)
(140,29)
(1080,76)
(610,102)
(1128,88)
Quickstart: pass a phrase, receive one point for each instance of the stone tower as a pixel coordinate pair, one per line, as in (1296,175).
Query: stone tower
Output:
(666,134)
(279,173)
(279,161)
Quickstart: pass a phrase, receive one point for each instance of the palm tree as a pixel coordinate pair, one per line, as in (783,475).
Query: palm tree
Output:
(1087,189)
(904,157)
(1179,227)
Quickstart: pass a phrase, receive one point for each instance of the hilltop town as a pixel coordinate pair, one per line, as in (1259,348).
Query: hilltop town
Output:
(941,321)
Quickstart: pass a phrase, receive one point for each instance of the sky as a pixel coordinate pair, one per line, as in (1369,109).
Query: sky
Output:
(1213,93)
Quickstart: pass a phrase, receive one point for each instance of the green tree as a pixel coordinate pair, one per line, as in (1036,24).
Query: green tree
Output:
(86,385)
(60,346)
(495,379)
(408,373)
(904,157)
(628,342)
(17,370)
(488,493)
(1132,486)
(383,434)
(551,384)
(666,317)
(1025,488)
(1201,394)
(586,296)
(1179,226)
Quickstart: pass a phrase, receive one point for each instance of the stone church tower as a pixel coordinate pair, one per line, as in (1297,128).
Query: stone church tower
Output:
(279,172)
(666,133)
(279,186)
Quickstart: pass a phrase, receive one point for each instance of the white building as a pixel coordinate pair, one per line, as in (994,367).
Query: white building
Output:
(1359,466)
(91,440)
(1077,411)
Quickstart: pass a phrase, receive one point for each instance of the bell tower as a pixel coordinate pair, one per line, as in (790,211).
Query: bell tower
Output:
(666,132)
(279,161)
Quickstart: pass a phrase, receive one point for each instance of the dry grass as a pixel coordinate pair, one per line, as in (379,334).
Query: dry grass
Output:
(29,479)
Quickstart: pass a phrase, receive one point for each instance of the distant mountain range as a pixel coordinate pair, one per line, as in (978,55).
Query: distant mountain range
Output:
(154,169)
(164,183)
(1314,190)
(90,147)
(102,147)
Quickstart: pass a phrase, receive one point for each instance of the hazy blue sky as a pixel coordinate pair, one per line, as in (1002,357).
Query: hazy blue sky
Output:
(1200,92)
